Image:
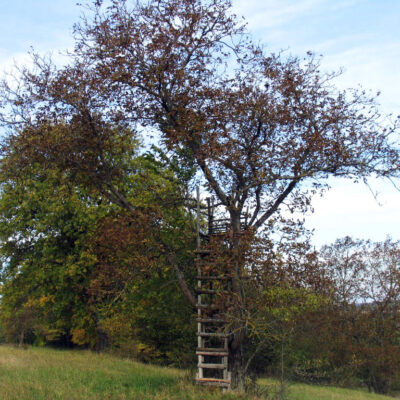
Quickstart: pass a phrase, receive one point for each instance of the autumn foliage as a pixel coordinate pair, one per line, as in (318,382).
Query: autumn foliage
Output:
(260,132)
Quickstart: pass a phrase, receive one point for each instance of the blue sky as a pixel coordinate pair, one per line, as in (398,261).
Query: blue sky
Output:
(43,24)
(362,36)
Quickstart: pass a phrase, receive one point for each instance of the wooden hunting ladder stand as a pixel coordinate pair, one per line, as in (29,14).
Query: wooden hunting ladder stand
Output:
(212,341)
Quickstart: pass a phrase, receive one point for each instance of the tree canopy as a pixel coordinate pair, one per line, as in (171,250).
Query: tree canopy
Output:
(260,131)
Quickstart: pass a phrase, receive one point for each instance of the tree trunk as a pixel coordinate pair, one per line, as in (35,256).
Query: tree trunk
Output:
(236,356)
(236,361)
(21,338)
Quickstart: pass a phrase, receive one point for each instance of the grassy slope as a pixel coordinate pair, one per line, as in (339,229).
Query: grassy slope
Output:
(300,391)
(45,374)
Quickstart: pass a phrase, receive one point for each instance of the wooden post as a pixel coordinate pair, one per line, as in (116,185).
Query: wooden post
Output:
(198,218)
(200,340)
(209,216)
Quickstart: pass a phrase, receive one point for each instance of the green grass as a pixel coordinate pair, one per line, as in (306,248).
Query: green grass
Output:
(298,391)
(47,374)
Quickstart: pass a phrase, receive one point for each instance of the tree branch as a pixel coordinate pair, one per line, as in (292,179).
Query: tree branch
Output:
(179,275)
(213,183)
(277,203)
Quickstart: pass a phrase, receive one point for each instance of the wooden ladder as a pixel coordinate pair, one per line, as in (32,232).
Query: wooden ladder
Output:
(212,344)
(212,341)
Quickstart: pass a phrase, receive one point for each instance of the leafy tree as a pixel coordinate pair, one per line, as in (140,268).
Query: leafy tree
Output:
(140,307)
(354,338)
(62,252)
(264,131)
(135,287)
(45,225)
(371,315)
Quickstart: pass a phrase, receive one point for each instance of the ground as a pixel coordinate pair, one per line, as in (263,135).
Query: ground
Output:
(48,374)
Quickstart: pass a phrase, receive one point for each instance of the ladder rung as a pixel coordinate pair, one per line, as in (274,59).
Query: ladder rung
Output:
(212,353)
(211,307)
(204,291)
(212,366)
(209,291)
(210,320)
(212,349)
(205,263)
(213,382)
(206,306)
(202,251)
(213,334)
(221,278)
(213,278)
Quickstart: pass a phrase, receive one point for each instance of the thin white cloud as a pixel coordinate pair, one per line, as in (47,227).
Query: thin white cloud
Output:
(351,209)
(369,57)
(272,13)
(374,66)
(8,63)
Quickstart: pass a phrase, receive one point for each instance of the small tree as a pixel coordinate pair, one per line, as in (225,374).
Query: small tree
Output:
(359,328)
(264,131)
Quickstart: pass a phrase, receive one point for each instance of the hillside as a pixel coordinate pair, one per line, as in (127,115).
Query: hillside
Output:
(47,374)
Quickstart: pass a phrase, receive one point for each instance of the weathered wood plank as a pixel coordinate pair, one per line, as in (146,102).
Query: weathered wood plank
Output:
(210,320)
(213,278)
(213,334)
(212,349)
(212,366)
(212,353)
(210,291)
(202,251)
(213,382)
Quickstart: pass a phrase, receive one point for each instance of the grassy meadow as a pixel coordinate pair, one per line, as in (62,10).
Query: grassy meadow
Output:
(47,374)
